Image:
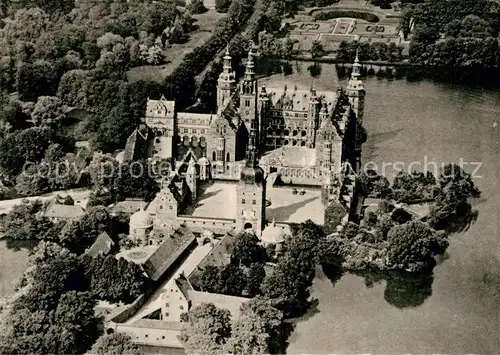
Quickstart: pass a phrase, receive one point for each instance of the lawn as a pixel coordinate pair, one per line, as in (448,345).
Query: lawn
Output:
(176,52)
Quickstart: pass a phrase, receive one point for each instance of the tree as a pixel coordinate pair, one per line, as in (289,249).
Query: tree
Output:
(317,50)
(48,111)
(76,322)
(222,5)
(59,274)
(373,184)
(36,79)
(413,246)
(247,250)
(290,280)
(208,280)
(23,222)
(255,277)
(259,330)
(455,188)
(232,280)
(28,147)
(207,330)
(115,344)
(45,251)
(115,280)
(197,7)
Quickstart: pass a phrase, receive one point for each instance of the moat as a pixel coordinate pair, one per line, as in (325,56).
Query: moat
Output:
(455,310)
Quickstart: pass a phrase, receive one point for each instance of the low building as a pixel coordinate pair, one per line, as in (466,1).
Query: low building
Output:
(102,245)
(59,212)
(170,253)
(127,207)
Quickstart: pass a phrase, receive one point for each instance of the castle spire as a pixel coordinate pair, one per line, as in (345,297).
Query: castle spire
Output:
(249,66)
(356,67)
(227,61)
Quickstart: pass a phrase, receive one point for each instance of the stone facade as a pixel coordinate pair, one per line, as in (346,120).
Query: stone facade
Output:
(306,136)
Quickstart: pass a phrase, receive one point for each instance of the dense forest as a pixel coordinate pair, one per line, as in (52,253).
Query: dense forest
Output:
(458,33)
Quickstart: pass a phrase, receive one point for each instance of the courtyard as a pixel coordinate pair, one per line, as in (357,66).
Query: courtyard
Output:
(218,200)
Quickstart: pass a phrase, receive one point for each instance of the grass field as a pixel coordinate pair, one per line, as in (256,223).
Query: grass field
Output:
(176,52)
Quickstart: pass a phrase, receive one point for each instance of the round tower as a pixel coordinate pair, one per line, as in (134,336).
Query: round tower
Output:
(141,224)
(204,165)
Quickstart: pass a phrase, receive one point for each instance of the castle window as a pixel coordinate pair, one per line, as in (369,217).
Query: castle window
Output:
(243,201)
(163,336)
(185,130)
(213,157)
(171,207)
(228,157)
(303,133)
(202,131)
(161,207)
(296,114)
(167,305)
(254,202)
(247,103)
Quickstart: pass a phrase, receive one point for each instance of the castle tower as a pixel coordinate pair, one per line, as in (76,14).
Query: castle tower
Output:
(166,208)
(312,119)
(251,190)
(355,90)
(264,113)
(356,93)
(248,93)
(192,179)
(226,84)
(323,113)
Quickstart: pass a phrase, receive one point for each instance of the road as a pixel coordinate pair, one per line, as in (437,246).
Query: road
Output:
(76,194)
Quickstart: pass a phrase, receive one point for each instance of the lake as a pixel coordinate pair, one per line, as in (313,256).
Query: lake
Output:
(13,262)
(457,309)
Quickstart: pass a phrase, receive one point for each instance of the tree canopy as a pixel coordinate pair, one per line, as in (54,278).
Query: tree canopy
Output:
(115,344)
(207,330)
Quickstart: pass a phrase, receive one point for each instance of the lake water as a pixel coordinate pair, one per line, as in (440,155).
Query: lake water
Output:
(13,262)
(457,310)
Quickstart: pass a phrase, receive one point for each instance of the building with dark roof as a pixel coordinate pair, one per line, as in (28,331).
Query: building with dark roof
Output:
(306,136)
(59,212)
(102,245)
(170,253)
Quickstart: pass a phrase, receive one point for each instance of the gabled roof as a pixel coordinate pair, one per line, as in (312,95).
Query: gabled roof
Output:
(168,252)
(56,210)
(163,105)
(220,255)
(128,206)
(102,245)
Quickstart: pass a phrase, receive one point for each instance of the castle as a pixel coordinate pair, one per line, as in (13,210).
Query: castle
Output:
(293,136)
